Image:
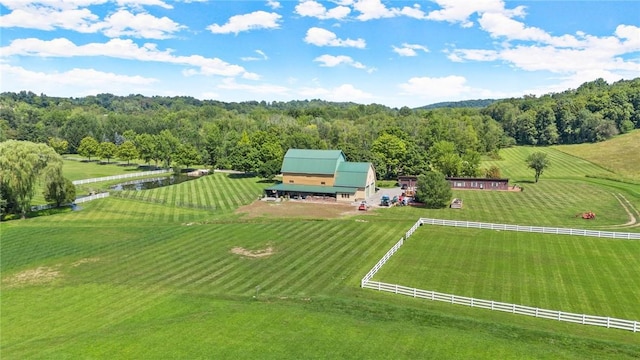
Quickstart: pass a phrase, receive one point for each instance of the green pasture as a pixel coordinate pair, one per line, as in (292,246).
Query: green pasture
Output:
(577,274)
(563,166)
(620,155)
(153,274)
(149,290)
(75,169)
(216,192)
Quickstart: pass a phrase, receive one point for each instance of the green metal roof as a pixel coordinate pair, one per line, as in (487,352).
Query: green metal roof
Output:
(305,161)
(352,174)
(315,189)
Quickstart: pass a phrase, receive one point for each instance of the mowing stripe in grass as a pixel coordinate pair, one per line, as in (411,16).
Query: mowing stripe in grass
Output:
(328,253)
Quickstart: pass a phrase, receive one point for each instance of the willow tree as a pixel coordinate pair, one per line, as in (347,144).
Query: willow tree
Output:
(22,163)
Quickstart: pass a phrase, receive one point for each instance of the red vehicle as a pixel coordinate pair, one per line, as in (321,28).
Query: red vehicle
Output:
(362,206)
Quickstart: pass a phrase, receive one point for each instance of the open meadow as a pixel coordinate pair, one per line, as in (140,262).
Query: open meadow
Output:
(195,271)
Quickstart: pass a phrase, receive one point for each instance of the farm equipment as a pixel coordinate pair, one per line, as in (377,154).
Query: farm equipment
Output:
(385,201)
(362,206)
(589,215)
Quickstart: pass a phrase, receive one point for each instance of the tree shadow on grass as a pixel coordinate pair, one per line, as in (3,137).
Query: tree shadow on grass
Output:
(241,175)
(267,181)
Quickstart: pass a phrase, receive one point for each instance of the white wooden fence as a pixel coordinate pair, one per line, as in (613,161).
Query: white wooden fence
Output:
(76,201)
(118,177)
(510,308)
(534,229)
(609,322)
(91,197)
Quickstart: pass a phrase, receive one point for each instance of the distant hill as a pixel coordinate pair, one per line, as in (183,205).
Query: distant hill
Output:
(480,103)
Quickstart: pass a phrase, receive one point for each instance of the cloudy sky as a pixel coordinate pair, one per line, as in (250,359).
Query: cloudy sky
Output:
(396,53)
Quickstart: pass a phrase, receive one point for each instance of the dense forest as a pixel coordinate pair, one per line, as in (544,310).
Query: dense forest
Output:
(253,136)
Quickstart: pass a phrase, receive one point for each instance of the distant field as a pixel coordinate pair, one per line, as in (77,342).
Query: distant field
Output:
(569,273)
(513,165)
(76,170)
(620,155)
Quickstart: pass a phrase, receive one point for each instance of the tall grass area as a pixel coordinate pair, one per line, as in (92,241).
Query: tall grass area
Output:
(620,155)
(583,275)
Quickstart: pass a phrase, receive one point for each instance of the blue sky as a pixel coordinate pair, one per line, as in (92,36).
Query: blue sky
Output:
(396,53)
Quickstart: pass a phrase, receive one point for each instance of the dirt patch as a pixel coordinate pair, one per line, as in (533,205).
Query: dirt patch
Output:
(253,253)
(85,261)
(299,210)
(38,276)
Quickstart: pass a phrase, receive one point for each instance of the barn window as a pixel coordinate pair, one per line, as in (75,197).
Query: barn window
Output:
(290,181)
(322,183)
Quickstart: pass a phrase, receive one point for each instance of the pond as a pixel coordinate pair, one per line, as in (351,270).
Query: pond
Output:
(145,184)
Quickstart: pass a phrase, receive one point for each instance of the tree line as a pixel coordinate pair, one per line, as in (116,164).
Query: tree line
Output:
(253,136)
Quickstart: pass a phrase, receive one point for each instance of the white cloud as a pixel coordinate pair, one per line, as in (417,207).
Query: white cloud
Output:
(124,23)
(262,56)
(312,8)
(564,54)
(72,82)
(231,84)
(273,4)
(68,15)
(122,49)
(322,37)
(247,22)
(342,93)
(456,11)
(373,9)
(409,49)
(141,3)
(453,87)
(446,87)
(47,18)
(333,61)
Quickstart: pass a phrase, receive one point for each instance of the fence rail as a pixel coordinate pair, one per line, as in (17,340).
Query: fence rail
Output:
(608,322)
(602,321)
(535,229)
(91,197)
(122,176)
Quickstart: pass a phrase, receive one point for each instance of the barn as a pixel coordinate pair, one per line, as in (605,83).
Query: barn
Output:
(326,174)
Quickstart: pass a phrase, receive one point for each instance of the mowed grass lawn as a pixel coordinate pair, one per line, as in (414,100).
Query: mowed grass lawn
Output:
(583,275)
(153,290)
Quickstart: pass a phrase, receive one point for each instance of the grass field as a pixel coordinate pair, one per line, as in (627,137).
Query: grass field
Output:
(620,155)
(178,272)
(576,274)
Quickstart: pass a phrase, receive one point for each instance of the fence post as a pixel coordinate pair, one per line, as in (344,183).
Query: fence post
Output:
(608,322)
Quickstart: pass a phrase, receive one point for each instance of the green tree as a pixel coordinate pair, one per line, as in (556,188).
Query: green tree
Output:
(145,144)
(58,189)
(107,150)
(166,147)
(59,145)
(388,152)
(187,155)
(538,162)
(127,151)
(433,190)
(470,163)
(493,172)
(88,147)
(445,159)
(22,163)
